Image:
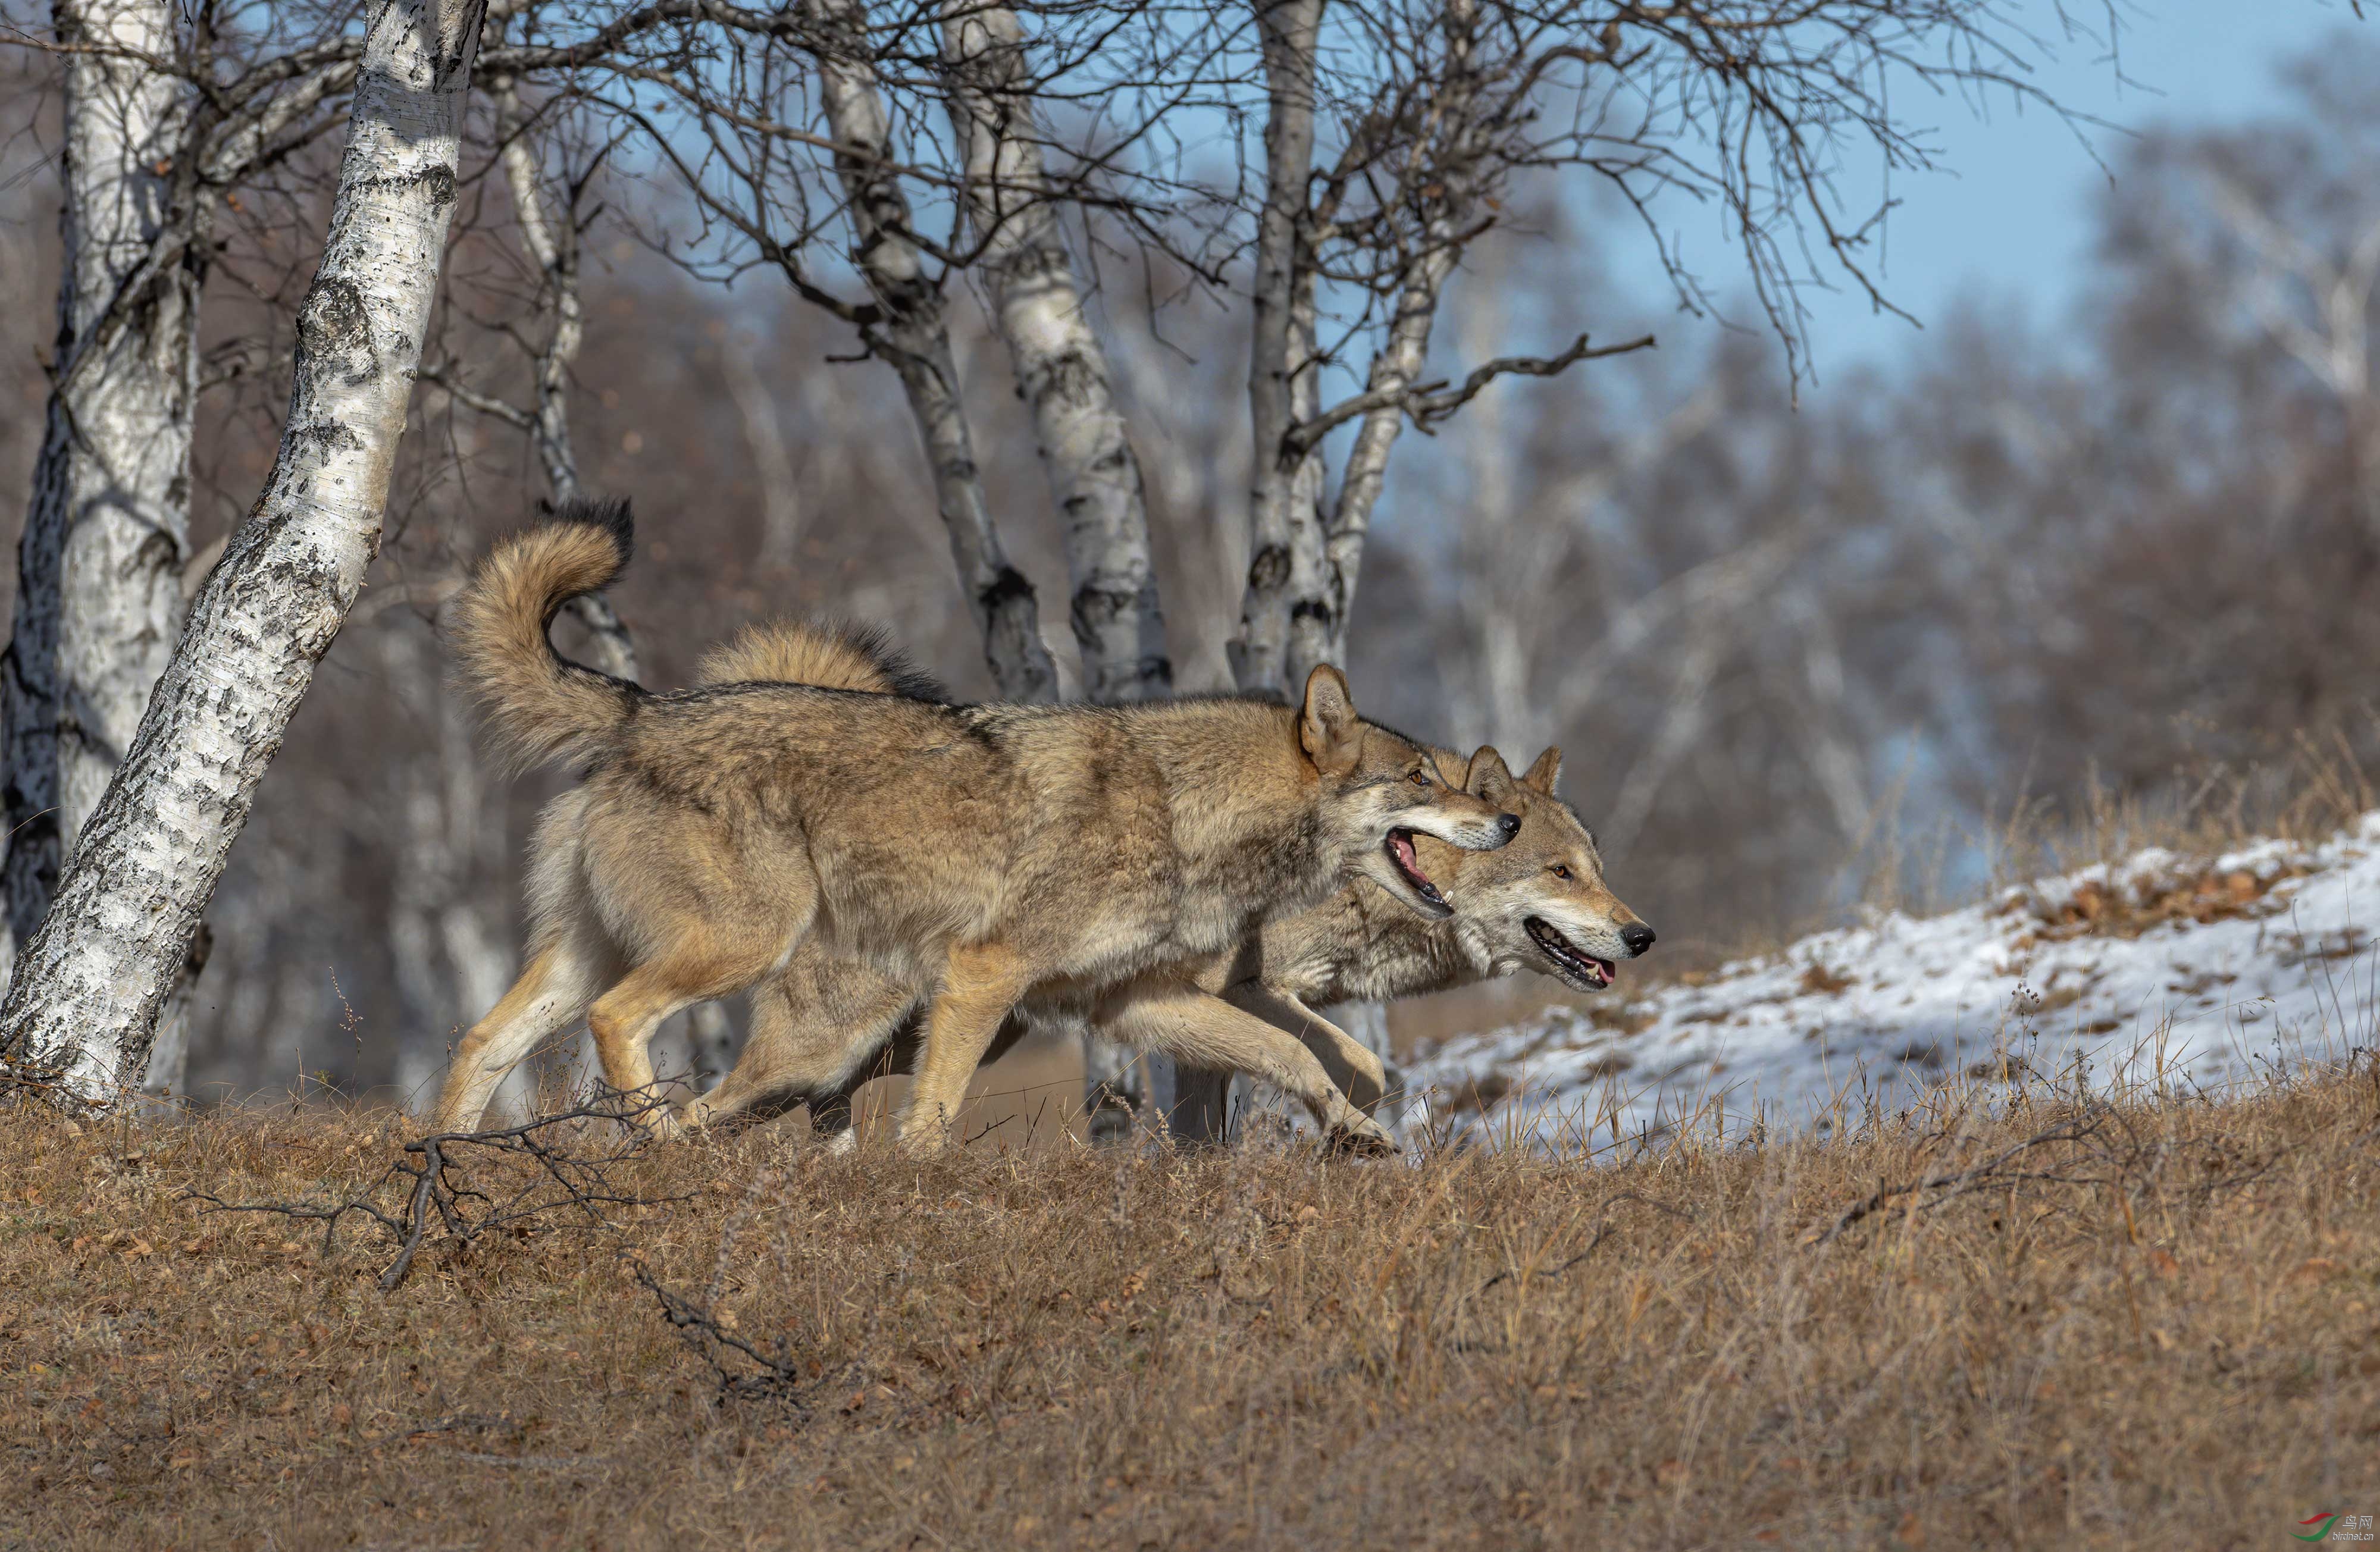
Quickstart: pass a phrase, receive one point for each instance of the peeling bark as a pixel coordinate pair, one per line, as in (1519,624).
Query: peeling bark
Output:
(915,339)
(1061,371)
(99,599)
(83,1008)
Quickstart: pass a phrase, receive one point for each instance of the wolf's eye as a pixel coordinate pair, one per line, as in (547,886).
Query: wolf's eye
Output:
(1560,870)
(1418,776)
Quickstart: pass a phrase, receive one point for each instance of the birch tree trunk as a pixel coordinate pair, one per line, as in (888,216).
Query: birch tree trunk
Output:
(554,245)
(1322,612)
(1061,371)
(915,339)
(1396,368)
(1283,547)
(99,599)
(82,1007)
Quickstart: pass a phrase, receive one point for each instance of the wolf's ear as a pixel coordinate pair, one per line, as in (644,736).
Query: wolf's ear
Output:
(1491,778)
(1542,775)
(1327,729)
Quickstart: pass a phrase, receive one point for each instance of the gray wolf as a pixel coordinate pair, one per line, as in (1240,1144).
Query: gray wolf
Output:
(982,851)
(822,1024)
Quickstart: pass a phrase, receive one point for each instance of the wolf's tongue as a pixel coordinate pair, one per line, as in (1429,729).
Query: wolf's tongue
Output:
(1402,847)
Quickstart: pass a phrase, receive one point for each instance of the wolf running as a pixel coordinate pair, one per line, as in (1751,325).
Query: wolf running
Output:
(900,881)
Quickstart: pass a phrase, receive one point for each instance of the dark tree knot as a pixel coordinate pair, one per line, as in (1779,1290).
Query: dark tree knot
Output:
(334,333)
(1009,587)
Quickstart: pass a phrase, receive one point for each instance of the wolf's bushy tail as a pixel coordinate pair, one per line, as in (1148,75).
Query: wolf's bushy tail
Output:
(541,706)
(825,656)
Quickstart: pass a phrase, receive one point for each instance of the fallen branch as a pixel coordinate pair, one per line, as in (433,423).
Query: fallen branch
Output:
(440,1192)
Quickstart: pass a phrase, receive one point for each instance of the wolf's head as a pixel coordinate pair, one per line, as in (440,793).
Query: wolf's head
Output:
(1541,901)
(1381,791)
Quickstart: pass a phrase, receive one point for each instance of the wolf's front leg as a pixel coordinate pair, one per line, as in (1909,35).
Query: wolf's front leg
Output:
(1202,1031)
(1354,1067)
(980,984)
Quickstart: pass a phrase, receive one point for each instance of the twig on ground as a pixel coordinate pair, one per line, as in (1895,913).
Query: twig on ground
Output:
(439,1191)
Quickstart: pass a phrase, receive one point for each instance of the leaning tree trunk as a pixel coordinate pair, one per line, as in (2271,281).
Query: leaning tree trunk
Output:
(1448,197)
(83,1003)
(1061,370)
(916,340)
(99,568)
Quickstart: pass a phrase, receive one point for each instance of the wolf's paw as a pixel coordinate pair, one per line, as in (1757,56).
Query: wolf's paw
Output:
(844,1143)
(1359,1135)
(663,1125)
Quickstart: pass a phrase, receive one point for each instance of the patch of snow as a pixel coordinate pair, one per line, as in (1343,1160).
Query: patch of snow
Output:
(2163,968)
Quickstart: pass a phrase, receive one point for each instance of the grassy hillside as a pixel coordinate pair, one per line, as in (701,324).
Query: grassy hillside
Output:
(2149,1321)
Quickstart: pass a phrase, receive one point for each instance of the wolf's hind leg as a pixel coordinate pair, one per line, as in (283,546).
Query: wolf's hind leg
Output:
(980,984)
(553,991)
(1354,1067)
(699,966)
(1201,1031)
(814,1040)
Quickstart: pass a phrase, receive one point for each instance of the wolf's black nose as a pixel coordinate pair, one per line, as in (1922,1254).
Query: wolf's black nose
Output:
(1637,936)
(1509,824)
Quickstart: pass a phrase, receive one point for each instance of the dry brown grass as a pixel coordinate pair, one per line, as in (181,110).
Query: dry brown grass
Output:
(2157,1326)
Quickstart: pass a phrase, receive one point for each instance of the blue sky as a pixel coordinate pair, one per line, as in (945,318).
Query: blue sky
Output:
(2009,213)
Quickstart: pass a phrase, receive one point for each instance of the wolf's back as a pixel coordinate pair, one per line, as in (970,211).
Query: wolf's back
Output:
(823,657)
(541,706)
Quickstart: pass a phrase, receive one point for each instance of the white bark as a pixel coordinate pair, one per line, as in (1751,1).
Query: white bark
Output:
(1284,546)
(1309,639)
(166,1083)
(108,532)
(1447,196)
(82,1007)
(553,243)
(916,338)
(1396,368)
(1061,371)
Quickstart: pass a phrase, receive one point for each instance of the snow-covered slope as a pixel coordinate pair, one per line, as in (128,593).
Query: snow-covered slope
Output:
(2195,971)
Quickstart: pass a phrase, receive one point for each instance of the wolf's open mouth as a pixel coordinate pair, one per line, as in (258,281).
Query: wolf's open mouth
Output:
(1567,956)
(1399,848)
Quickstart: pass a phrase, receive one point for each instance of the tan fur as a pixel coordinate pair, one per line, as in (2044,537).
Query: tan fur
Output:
(540,707)
(822,1025)
(793,652)
(978,851)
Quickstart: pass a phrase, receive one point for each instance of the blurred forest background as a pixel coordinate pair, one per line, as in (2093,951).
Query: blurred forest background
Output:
(1865,643)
